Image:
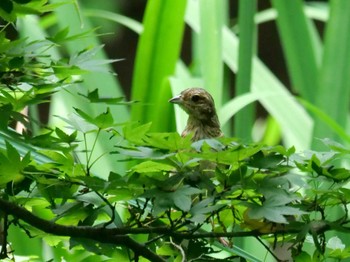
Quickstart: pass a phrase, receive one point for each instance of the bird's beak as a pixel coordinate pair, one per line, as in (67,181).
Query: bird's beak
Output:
(176,99)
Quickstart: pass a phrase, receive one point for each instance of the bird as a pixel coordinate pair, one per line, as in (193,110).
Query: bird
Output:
(203,121)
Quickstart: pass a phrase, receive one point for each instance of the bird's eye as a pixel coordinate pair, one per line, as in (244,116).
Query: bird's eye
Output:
(195,98)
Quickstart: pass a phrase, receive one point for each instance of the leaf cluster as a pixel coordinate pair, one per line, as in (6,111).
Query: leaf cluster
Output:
(182,196)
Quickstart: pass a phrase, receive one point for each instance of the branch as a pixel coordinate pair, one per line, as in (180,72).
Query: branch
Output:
(101,234)
(119,236)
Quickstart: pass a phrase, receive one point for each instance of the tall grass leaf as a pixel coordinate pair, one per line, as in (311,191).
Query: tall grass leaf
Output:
(120,19)
(334,78)
(210,47)
(157,53)
(316,12)
(320,115)
(244,120)
(295,34)
(295,122)
(232,107)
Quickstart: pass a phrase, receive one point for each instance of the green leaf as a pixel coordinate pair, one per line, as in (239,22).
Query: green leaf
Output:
(102,121)
(262,161)
(12,153)
(274,213)
(95,183)
(183,202)
(200,210)
(65,137)
(16,62)
(11,165)
(338,253)
(60,35)
(183,197)
(168,141)
(79,123)
(84,60)
(136,134)
(151,166)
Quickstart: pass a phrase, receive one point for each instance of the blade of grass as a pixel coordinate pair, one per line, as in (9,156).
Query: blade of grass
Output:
(244,120)
(296,126)
(239,103)
(211,21)
(333,96)
(121,19)
(299,48)
(157,53)
(327,120)
(316,12)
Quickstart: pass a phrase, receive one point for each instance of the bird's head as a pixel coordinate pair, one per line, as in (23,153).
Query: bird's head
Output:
(196,102)
(200,107)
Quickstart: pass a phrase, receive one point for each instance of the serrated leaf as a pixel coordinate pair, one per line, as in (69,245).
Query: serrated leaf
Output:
(200,210)
(60,35)
(136,134)
(84,115)
(262,161)
(26,160)
(183,202)
(212,143)
(151,166)
(84,60)
(104,120)
(11,166)
(12,154)
(95,183)
(274,213)
(64,136)
(78,123)
(168,141)
(187,190)
(335,146)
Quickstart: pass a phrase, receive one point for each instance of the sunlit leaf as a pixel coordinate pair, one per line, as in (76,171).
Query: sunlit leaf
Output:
(151,166)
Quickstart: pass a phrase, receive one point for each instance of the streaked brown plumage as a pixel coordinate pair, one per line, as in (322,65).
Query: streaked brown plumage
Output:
(202,120)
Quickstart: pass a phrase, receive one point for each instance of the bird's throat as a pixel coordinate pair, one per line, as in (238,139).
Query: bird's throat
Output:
(202,128)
